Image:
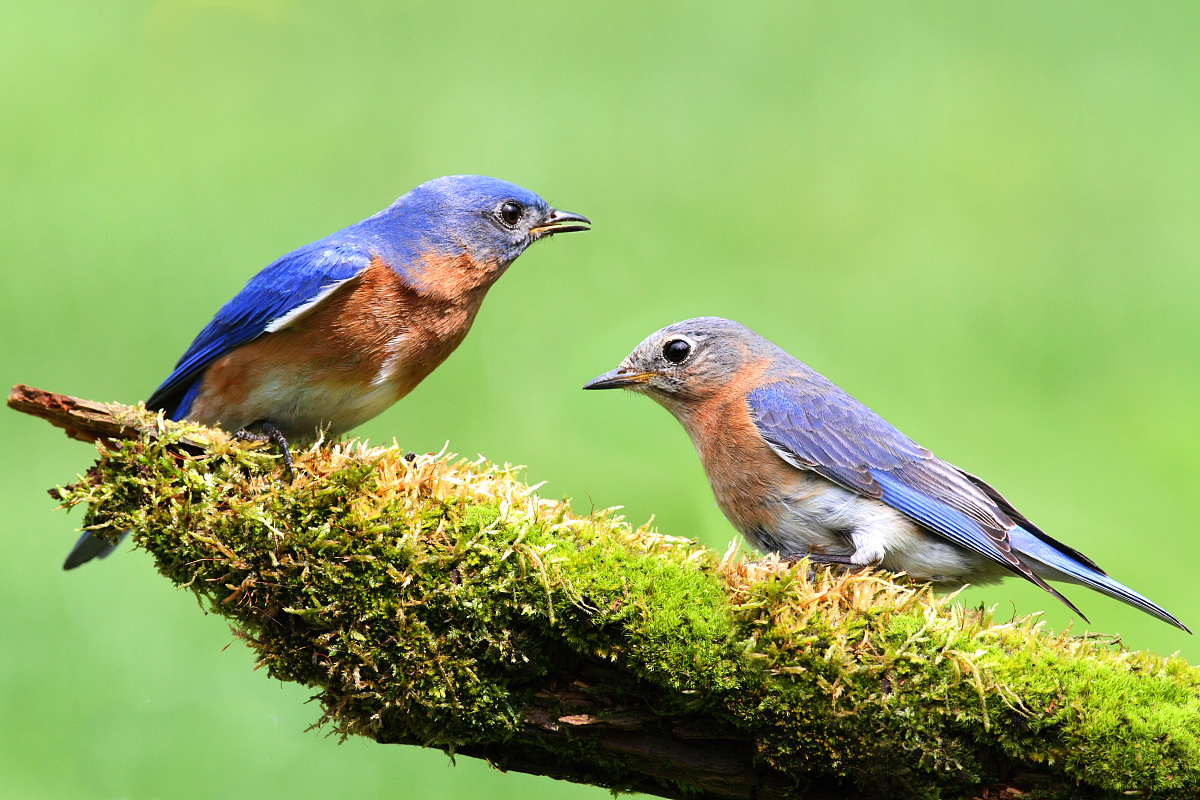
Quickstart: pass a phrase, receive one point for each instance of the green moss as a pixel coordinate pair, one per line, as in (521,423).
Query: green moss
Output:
(430,602)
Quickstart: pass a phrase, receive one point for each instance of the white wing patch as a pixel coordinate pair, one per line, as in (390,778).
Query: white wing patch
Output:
(304,309)
(387,372)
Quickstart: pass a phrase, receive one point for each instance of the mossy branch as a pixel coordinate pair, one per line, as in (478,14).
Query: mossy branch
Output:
(442,603)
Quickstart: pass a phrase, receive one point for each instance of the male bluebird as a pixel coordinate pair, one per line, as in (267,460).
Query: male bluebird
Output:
(335,332)
(803,469)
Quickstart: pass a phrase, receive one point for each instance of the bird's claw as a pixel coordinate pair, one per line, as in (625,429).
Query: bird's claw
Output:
(819,558)
(815,559)
(271,434)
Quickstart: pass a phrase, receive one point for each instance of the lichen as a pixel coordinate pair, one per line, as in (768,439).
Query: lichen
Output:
(429,599)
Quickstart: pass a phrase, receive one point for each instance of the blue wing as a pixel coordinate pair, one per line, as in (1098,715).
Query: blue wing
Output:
(814,425)
(282,294)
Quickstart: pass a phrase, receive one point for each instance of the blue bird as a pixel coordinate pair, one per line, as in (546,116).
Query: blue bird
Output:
(803,469)
(333,333)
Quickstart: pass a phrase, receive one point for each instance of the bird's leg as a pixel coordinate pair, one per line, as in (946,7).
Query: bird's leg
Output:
(818,558)
(824,558)
(271,434)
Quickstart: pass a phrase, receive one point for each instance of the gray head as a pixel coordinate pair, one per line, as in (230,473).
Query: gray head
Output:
(687,362)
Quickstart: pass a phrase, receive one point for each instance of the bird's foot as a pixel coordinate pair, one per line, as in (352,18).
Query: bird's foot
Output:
(842,563)
(819,558)
(271,434)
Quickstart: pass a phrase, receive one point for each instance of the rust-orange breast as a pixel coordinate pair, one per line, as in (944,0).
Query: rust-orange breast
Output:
(363,348)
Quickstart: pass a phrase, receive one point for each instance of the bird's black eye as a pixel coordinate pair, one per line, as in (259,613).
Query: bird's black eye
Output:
(676,351)
(510,212)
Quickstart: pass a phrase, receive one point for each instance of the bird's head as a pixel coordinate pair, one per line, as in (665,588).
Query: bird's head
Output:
(468,228)
(687,363)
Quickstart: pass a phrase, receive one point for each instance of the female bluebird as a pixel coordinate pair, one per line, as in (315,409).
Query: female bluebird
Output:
(333,333)
(804,470)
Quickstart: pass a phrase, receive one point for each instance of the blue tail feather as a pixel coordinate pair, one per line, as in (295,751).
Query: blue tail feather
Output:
(89,547)
(1034,549)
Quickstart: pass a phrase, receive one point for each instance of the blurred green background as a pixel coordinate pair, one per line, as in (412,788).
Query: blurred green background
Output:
(983,220)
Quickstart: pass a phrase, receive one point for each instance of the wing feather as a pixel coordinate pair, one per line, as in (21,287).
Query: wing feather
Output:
(859,450)
(812,424)
(280,295)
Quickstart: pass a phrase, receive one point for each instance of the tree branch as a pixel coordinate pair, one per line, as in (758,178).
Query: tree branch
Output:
(441,603)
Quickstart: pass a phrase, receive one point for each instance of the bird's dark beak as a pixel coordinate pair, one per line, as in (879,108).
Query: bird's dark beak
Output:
(619,378)
(560,222)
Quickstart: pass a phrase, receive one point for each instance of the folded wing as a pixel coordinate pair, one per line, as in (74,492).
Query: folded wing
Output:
(814,425)
(281,295)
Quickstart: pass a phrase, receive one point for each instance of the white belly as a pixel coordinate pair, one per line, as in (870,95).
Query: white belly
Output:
(308,408)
